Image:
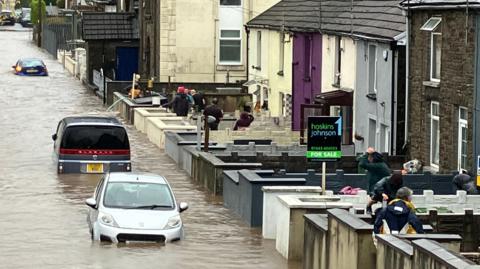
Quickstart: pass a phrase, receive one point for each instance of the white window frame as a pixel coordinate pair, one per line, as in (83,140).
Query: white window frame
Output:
(462,123)
(434,118)
(432,51)
(220,62)
(428,26)
(431,26)
(374,88)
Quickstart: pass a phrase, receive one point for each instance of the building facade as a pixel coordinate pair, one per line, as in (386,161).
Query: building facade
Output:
(442,92)
(270,74)
(199,41)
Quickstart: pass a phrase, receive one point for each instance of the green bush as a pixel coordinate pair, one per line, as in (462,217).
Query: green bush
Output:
(34,7)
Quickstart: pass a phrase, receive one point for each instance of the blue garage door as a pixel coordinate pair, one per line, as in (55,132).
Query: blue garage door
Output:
(126,63)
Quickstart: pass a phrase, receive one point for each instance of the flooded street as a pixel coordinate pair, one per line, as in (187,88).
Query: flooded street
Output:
(43,215)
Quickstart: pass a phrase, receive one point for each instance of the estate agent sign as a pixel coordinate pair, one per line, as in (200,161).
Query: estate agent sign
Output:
(324,138)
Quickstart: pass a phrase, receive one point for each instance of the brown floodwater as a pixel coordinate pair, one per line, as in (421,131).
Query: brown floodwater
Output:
(42,214)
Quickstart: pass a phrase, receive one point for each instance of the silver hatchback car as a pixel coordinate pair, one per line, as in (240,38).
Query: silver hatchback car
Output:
(134,207)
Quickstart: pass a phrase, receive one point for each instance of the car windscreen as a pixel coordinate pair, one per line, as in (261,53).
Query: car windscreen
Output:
(138,195)
(32,63)
(95,137)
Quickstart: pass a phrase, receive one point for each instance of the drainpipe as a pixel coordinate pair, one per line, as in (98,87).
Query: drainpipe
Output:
(407,74)
(476,111)
(248,52)
(393,104)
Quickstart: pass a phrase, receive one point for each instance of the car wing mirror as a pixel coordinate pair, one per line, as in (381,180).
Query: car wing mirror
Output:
(54,137)
(91,202)
(182,207)
(14,66)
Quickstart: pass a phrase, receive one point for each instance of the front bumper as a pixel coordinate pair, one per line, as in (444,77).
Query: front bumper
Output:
(115,234)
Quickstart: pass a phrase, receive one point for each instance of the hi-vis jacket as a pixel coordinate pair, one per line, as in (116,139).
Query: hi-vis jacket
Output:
(397,218)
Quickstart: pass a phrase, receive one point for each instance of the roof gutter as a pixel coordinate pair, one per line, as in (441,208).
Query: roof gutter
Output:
(442,7)
(312,30)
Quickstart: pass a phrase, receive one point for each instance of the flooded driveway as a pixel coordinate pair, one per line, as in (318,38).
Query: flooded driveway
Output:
(42,214)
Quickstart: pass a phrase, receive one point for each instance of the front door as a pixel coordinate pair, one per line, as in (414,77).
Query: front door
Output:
(126,63)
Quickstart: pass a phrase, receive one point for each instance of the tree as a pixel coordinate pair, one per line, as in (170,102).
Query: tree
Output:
(34,7)
(22,3)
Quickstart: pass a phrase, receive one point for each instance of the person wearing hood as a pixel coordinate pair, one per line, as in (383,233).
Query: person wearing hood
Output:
(244,122)
(386,189)
(180,103)
(398,217)
(375,165)
(464,182)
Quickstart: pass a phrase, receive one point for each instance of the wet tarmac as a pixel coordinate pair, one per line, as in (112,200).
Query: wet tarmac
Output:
(42,214)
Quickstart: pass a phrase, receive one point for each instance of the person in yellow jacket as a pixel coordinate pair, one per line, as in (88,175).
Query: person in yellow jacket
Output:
(398,217)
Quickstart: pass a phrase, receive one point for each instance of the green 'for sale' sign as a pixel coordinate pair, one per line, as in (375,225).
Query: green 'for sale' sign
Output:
(324,138)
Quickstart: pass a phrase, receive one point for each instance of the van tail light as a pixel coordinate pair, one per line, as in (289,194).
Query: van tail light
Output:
(95,151)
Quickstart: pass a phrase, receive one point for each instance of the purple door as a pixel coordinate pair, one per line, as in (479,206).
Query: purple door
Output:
(307,70)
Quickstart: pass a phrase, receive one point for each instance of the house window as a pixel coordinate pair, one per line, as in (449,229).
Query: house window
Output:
(259,50)
(372,133)
(434,135)
(338,61)
(432,26)
(230,2)
(462,138)
(372,69)
(230,46)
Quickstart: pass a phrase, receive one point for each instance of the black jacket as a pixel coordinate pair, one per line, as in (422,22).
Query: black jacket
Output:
(397,215)
(384,186)
(180,104)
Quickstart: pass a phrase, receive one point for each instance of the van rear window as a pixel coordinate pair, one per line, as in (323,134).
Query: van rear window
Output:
(95,137)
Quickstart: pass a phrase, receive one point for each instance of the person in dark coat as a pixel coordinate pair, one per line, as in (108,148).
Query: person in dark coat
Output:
(398,217)
(180,103)
(199,100)
(464,182)
(215,111)
(386,189)
(244,122)
(375,165)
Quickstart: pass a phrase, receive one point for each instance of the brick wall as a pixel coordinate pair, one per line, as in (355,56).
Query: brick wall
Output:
(455,88)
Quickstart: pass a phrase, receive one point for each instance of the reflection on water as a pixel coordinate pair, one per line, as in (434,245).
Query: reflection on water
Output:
(43,216)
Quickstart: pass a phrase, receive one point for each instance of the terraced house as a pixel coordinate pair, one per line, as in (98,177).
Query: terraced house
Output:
(334,58)
(443,99)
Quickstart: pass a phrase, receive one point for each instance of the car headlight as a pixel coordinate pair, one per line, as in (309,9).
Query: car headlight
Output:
(173,222)
(108,220)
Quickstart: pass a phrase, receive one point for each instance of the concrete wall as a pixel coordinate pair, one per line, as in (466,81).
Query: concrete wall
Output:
(157,126)
(429,254)
(365,108)
(393,253)
(290,223)
(281,137)
(276,83)
(315,254)
(142,114)
(350,243)
(271,205)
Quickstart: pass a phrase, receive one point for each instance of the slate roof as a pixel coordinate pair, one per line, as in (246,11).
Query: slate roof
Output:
(109,26)
(381,19)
